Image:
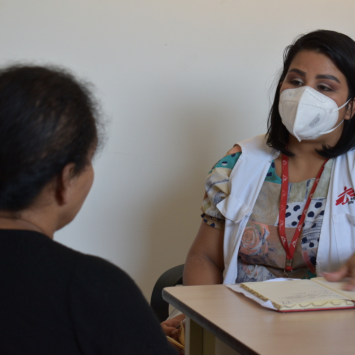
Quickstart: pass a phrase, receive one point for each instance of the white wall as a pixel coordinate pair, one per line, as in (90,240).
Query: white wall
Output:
(181,81)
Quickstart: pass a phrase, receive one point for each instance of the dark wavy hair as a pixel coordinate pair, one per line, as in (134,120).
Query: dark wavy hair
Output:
(341,50)
(48,119)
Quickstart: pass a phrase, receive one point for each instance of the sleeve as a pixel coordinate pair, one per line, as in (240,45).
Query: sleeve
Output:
(110,314)
(217,189)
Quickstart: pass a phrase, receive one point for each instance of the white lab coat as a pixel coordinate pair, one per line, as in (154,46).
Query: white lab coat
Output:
(337,241)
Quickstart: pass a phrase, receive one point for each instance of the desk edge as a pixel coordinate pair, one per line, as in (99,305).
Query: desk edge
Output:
(203,322)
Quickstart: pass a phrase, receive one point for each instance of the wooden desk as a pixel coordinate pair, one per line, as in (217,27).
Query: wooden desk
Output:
(248,328)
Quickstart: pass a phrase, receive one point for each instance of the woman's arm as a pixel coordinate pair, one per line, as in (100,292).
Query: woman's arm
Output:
(204,263)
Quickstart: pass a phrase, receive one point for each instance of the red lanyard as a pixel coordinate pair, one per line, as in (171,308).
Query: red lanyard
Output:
(290,250)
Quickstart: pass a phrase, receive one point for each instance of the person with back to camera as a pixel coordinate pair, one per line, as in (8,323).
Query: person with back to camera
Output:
(55,300)
(283,203)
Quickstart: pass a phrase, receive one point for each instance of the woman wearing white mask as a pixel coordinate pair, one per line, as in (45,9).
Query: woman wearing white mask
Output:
(283,203)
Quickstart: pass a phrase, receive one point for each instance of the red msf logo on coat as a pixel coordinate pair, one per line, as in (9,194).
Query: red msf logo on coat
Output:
(347,197)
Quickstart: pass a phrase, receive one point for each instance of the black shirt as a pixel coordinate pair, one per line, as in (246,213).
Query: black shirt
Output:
(54,300)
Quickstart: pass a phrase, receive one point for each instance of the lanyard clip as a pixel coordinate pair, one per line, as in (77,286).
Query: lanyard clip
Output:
(288,266)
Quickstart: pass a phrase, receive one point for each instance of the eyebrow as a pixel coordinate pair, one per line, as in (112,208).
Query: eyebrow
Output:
(331,77)
(319,76)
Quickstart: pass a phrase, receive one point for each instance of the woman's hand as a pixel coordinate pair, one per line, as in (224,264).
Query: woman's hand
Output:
(169,326)
(347,270)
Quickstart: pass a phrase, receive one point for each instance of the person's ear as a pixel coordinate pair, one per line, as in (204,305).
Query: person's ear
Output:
(350,111)
(64,184)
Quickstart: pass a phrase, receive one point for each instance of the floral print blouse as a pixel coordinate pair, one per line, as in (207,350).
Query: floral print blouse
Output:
(261,255)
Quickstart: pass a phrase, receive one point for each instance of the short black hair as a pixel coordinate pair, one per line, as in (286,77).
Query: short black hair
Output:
(48,119)
(341,50)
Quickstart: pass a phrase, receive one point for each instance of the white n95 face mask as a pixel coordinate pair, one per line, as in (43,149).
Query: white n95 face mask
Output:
(308,114)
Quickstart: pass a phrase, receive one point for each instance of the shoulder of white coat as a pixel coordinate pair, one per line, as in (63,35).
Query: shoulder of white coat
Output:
(257,147)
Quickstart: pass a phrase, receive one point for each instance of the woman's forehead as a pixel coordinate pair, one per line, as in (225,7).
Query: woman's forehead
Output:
(312,62)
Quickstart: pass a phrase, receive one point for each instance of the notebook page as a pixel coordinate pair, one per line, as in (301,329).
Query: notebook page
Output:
(336,286)
(266,304)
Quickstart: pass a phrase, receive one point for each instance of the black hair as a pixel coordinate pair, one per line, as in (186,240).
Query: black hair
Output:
(48,119)
(341,50)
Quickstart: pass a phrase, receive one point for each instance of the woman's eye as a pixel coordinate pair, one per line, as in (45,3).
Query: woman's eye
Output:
(296,82)
(324,88)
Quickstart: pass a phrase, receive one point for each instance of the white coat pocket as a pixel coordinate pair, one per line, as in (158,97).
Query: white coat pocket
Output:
(344,225)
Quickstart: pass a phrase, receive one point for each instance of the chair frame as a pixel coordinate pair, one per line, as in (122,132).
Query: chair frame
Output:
(170,277)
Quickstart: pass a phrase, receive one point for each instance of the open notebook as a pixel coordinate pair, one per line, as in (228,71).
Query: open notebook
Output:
(299,295)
